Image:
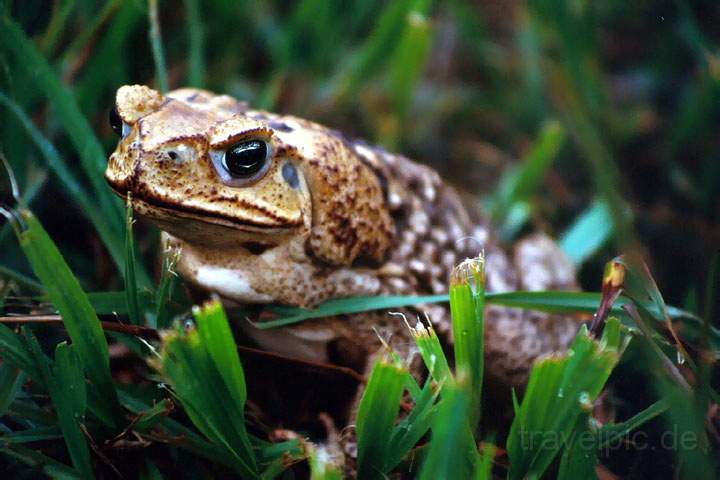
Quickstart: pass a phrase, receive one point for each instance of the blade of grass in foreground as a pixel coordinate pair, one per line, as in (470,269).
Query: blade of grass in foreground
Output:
(67,401)
(131,292)
(559,390)
(81,321)
(467,306)
(204,369)
(11,380)
(321,466)
(376,416)
(452,451)
(49,466)
(551,302)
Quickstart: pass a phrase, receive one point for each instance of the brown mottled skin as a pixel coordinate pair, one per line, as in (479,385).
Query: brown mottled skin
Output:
(358,221)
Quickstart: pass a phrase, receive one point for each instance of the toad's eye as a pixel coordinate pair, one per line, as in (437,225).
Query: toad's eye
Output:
(120,128)
(243,163)
(116,122)
(245,159)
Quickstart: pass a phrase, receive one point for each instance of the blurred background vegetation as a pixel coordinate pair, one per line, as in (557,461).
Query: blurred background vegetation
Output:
(467,87)
(596,122)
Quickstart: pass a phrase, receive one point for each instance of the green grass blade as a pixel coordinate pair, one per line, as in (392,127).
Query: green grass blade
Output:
(590,231)
(215,333)
(204,369)
(11,380)
(431,351)
(467,306)
(89,31)
(70,376)
(410,57)
(580,456)
(376,49)
(131,288)
(290,315)
(81,321)
(28,410)
(58,21)
(15,351)
(611,433)
(376,417)
(560,389)
(413,427)
(518,184)
(178,434)
(68,417)
(322,467)
(452,452)
(63,172)
(68,394)
(550,302)
(152,416)
(483,469)
(30,435)
(21,279)
(168,279)
(196,40)
(156,44)
(91,153)
(49,466)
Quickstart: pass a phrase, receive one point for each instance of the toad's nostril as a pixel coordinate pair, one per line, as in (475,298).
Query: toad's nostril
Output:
(173,155)
(256,248)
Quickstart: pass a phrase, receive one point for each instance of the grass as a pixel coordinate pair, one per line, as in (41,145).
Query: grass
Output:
(614,146)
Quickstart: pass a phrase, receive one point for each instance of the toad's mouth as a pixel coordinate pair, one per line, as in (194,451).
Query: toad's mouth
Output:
(161,210)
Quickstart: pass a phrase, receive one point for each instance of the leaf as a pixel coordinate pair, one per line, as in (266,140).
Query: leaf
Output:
(452,452)
(11,380)
(290,315)
(580,456)
(178,434)
(518,184)
(410,56)
(196,41)
(467,306)
(204,369)
(15,351)
(589,232)
(431,351)
(322,466)
(612,432)
(131,288)
(30,435)
(376,416)
(70,379)
(149,418)
(45,464)
(80,320)
(550,301)
(156,45)
(412,428)
(66,406)
(81,134)
(163,295)
(560,389)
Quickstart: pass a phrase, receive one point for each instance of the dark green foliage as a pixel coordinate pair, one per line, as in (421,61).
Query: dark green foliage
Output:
(611,107)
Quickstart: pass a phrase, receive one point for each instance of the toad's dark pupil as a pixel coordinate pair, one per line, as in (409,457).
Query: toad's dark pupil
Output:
(245,159)
(116,122)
